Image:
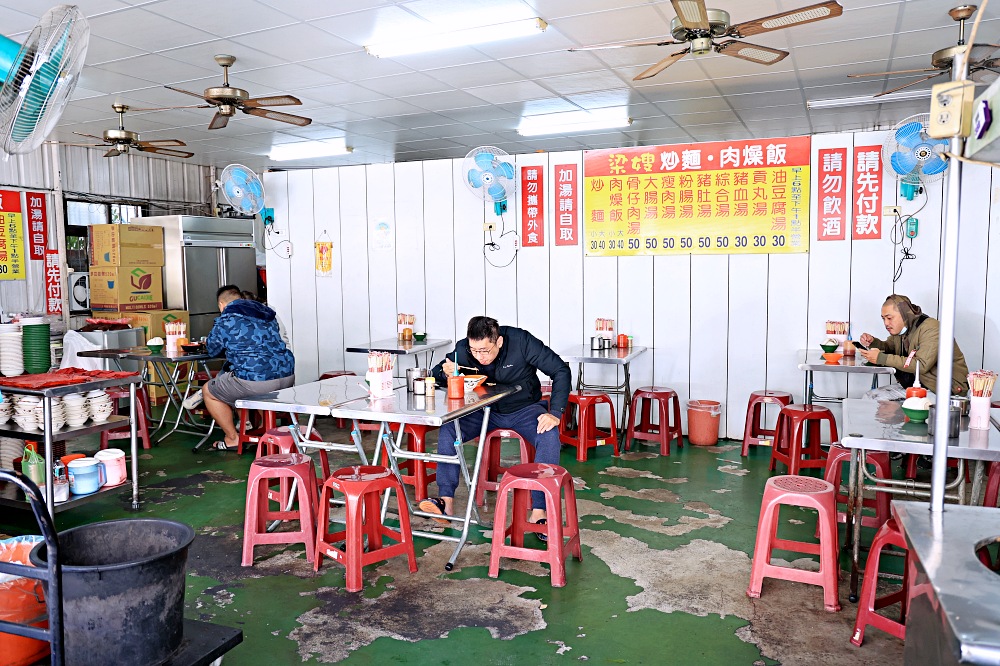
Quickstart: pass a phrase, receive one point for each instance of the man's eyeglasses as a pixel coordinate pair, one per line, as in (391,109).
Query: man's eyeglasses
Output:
(482,352)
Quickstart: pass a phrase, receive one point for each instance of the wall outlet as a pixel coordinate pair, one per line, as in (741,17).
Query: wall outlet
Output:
(951,109)
(489,226)
(891,210)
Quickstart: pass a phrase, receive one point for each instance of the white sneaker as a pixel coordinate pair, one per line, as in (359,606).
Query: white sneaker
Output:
(193,400)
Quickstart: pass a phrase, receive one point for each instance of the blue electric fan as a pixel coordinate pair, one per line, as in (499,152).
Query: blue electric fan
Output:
(912,156)
(490,176)
(242,188)
(39,76)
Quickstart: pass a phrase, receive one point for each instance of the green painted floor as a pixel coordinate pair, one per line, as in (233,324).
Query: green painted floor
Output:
(666,561)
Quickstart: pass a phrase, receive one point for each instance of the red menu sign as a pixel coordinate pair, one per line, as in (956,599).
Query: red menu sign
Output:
(567,219)
(832,200)
(867,215)
(532,206)
(37,225)
(53,283)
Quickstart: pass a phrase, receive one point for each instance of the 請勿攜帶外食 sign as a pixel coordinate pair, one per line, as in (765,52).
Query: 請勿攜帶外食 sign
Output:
(720,197)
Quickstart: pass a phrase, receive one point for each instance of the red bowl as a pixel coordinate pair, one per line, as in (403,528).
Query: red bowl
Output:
(832,357)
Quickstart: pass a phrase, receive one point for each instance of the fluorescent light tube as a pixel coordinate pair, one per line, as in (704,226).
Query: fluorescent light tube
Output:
(306,149)
(448,40)
(866,100)
(574,121)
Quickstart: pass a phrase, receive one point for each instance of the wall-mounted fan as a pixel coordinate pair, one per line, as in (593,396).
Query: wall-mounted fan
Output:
(912,157)
(122,140)
(229,100)
(39,76)
(490,176)
(983,65)
(242,188)
(697,27)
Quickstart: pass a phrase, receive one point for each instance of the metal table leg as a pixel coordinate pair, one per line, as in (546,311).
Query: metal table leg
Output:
(854,511)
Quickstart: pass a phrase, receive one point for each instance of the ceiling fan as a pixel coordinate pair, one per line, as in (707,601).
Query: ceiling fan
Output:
(698,27)
(122,140)
(228,100)
(983,67)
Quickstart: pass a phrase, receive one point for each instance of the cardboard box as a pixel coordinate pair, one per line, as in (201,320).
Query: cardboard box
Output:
(126,288)
(126,245)
(153,321)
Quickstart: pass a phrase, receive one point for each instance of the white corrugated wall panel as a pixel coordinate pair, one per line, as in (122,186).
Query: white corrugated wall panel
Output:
(439,243)
(354,240)
(306,334)
(329,289)
(382,251)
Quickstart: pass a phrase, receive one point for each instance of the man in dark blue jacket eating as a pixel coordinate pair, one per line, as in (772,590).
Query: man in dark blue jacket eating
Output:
(507,356)
(247,332)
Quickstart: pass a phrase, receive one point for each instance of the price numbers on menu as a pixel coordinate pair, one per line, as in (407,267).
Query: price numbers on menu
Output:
(691,243)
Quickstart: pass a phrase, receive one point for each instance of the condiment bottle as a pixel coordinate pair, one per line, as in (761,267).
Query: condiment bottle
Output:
(456,387)
(429,386)
(622,341)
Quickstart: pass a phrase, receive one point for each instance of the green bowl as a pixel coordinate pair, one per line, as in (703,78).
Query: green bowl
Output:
(419,337)
(916,415)
(829,348)
(154,349)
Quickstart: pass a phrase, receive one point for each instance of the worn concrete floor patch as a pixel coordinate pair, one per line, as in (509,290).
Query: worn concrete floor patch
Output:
(192,485)
(218,551)
(735,470)
(629,473)
(638,455)
(424,605)
(649,494)
(656,524)
(705,577)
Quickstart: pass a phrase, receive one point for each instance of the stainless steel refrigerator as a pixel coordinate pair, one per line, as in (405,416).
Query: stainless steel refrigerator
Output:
(201,255)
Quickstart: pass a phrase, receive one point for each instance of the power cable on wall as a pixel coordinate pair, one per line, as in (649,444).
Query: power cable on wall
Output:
(900,240)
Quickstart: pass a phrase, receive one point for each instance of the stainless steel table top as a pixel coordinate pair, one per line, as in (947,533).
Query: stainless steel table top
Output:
(813,360)
(143,354)
(966,590)
(879,425)
(613,356)
(404,407)
(57,391)
(314,397)
(394,346)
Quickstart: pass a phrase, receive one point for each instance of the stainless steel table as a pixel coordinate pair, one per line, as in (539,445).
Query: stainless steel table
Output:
(880,425)
(583,354)
(810,362)
(435,411)
(400,348)
(50,436)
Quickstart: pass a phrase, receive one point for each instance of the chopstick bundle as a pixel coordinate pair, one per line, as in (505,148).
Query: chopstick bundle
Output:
(381,361)
(837,327)
(981,383)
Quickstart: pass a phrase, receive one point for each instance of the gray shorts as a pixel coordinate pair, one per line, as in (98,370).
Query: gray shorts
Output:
(229,388)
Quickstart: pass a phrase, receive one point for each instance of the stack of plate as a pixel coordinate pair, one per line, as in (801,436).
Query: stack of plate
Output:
(75,409)
(35,345)
(11,355)
(99,404)
(6,410)
(9,449)
(58,414)
(24,411)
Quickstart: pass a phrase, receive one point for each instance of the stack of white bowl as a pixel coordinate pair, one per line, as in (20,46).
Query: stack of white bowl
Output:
(10,448)
(6,410)
(24,411)
(99,403)
(11,352)
(75,409)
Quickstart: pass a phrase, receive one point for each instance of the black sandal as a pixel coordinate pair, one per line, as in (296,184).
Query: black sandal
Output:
(542,536)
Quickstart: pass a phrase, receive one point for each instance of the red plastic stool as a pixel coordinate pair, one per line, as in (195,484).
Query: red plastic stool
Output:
(663,432)
(490,469)
(143,416)
(990,496)
(582,410)
(911,467)
(258,514)
(549,479)
(362,488)
(789,432)
(752,430)
(802,491)
(419,473)
(888,535)
(280,440)
(835,460)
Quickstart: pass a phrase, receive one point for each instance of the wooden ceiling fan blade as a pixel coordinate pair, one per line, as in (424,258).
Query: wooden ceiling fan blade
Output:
(273,100)
(278,115)
(623,45)
(218,121)
(114,152)
(763,55)
(808,14)
(911,83)
(898,71)
(164,151)
(159,143)
(193,94)
(89,136)
(692,14)
(171,108)
(662,65)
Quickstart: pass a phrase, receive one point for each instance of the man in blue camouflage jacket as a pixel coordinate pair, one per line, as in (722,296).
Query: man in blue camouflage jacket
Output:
(259,361)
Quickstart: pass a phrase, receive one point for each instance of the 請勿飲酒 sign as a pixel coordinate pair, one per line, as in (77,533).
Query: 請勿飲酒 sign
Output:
(721,197)
(11,236)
